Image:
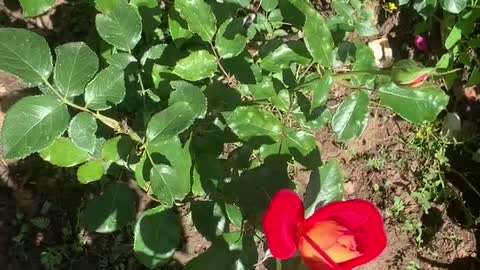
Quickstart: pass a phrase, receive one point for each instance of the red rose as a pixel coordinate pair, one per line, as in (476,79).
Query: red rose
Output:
(339,236)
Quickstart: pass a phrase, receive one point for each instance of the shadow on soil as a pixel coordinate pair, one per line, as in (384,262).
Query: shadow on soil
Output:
(464,175)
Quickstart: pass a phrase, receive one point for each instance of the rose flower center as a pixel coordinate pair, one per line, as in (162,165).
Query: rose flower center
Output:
(334,240)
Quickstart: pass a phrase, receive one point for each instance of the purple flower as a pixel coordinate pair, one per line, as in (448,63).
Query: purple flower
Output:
(421,43)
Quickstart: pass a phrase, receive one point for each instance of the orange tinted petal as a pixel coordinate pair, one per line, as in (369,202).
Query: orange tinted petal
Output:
(332,243)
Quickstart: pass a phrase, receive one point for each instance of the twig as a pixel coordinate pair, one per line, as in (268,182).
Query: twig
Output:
(225,73)
(459,174)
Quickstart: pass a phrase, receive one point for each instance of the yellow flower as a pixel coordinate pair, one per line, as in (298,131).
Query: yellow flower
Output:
(390,7)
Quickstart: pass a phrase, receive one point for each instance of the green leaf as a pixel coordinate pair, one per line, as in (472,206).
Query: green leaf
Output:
(25,55)
(32,8)
(263,89)
(319,118)
(75,66)
(414,104)
(106,6)
(269,5)
(234,214)
(231,38)
(64,153)
(454,6)
(425,8)
(198,65)
(249,122)
(168,123)
(116,148)
(140,176)
(364,60)
(444,61)
(318,38)
(325,186)
(121,27)
(281,100)
(351,117)
(111,210)
(90,172)
(82,131)
(106,89)
(242,3)
(299,142)
(199,17)
(364,23)
(121,60)
(162,177)
(321,90)
(282,56)
(32,124)
(230,251)
(157,235)
(187,92)
(172,174)
(474,78)
(145,3)
(154,53)
(178,27)
(209,218)
(453,37)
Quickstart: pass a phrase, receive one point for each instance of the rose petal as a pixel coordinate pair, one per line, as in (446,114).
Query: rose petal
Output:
(326,244)
(281,223)
(358,216)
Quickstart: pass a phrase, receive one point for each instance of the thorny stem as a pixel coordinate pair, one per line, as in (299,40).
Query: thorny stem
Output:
(143,93)
(219,63)
(305,71)
(110,122)
(447,72)
(359,72)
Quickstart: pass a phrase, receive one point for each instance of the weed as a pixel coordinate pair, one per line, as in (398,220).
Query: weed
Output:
(415,228)
(431,147)
(51,259)
(398,207)
(376,163)
(40,222)
(413,265)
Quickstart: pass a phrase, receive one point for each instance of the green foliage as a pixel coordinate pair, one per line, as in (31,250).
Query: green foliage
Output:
(111,210)
(82,130)
(75,66)
(351,118)
(207,105)
(64,153)
(25,55)
(325,186)
(120,26)
(417,106)
(157,235)
(32,8)
(33,124)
